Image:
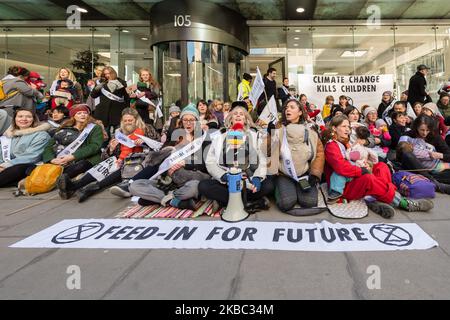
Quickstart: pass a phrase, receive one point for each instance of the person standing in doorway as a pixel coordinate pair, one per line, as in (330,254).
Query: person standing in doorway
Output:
(270,88)
(418,86)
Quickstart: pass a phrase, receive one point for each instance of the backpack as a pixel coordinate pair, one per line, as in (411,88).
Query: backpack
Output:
(3,94)
(43,178)
(413,185)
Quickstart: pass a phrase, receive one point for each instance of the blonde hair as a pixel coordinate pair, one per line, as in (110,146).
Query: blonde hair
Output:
(248,119)
(214,103)
(132,112)
(71,76)
(112,72)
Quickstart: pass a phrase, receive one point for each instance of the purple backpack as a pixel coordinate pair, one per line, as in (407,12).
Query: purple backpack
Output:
(414,185)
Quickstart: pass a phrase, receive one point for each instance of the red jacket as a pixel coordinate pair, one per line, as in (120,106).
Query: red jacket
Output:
(126,151)
(335,162)
(442,128)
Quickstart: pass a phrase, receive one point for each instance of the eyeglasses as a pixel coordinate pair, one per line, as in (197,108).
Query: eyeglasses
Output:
(189,120)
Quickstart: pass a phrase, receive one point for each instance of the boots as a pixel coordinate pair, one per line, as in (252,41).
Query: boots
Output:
(89,190)
(383,209)
(65,187)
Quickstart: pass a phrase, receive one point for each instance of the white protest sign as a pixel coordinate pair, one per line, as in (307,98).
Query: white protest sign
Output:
(362,89)
(270,113)
(124,139)
(188,234)
(104,169)
(257,88)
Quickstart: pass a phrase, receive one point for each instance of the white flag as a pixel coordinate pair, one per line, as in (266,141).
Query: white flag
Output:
(270,113)
(257,88)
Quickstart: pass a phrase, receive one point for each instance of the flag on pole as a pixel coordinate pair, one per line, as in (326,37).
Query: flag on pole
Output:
(257,88)
(270,113)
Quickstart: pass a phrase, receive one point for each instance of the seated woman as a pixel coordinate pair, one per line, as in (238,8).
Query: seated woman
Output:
(76,146)
(218,164)
(56,119)
(17,91)
(430,154)
(131,125)
(431,110)
(354,116)
(362,182)
(207,119)
(22,146)
(185,175)
(296,154)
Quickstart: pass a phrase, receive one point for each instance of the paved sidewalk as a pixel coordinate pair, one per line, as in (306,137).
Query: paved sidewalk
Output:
(212,274)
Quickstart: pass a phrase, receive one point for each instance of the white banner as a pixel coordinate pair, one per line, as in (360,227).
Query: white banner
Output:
(362,89)
(185,234)
(104,169)
(153,144)
(257,88)
(270,112)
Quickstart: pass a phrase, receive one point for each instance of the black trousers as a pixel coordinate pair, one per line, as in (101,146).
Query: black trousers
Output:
(77,168)
(12,175)
(214,190)
(410,162)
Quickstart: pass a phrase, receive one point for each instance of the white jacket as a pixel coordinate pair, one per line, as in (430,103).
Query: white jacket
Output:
(256,157)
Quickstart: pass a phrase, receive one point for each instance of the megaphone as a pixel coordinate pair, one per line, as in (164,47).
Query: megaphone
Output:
(235,208)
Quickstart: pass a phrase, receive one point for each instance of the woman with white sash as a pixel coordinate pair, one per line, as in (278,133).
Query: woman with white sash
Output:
(76,146)
(108,173)
(67,74)
(184,171)
(22,146)
(297,156)
(218,164)
(144,98)
(113,99)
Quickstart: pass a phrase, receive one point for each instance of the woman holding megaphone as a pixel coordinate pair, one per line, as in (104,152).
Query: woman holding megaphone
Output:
(239,147)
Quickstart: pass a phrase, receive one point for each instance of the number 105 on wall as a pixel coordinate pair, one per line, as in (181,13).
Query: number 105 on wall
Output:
(182,20)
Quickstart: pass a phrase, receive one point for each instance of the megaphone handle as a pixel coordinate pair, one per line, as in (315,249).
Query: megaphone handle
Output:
(244,194)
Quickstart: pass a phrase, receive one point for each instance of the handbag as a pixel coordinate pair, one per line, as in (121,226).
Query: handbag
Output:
(132,165)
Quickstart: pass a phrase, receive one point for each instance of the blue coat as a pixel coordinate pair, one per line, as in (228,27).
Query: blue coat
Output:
(27,145)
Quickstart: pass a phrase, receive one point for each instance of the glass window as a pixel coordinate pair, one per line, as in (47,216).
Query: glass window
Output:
(29,48)
(3,51)
(170,64)
(196,83)
(212,56)
(235,71)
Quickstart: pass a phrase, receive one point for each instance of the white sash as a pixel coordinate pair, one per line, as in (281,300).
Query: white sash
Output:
(71,148)
(53,124)
(104,169)
(144,99)
(286,156)
(179,155)
(159,113)
(155,145)
(124,139)
(97,100)
(112,96)
(6,148)
(319,120)
(286,91)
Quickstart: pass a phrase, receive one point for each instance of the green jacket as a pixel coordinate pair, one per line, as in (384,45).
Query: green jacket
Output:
(90,150)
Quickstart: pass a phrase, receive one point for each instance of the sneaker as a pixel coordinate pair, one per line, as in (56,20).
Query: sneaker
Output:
(121,190)
(442,187)
(381,208)
(333,196)
(421,205)
(64,185)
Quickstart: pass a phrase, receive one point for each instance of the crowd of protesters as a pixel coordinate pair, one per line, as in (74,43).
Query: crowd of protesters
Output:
(353,149)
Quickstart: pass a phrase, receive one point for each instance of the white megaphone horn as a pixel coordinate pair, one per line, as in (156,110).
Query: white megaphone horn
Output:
(235,209)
